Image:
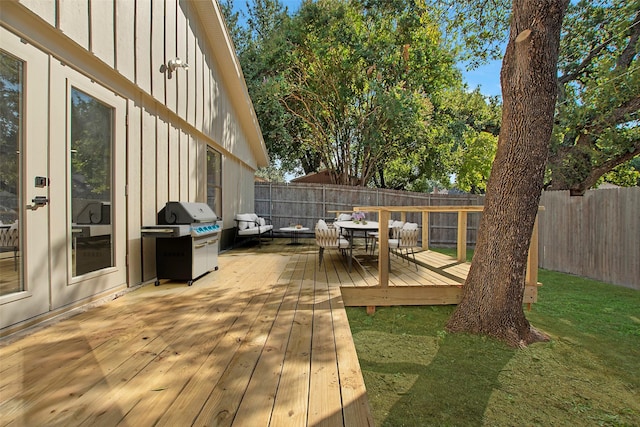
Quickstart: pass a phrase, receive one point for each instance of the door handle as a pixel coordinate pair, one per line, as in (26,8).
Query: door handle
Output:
(38,202)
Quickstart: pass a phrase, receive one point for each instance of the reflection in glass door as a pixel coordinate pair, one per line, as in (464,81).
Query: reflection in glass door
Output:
(91,170)
(11,114)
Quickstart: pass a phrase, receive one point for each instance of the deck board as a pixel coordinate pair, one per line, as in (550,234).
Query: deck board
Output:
(292,398)
(263,341)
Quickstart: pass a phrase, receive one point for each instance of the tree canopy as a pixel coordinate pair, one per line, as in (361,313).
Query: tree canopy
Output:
(369,90)
(597,128)
(363,90)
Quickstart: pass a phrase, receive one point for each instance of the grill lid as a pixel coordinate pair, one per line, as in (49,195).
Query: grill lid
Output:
(185,213)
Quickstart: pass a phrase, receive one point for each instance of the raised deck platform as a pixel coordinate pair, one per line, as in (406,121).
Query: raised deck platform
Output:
(263,341)
(437,281)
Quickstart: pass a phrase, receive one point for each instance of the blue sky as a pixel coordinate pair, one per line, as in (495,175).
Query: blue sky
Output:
(487,76)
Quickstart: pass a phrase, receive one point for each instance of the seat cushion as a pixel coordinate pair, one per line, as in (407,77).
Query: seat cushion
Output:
(344,243)
(245,221)
(252,231)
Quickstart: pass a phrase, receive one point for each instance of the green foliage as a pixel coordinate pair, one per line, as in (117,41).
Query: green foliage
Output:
(10,118)
(474,30)
(91,126)
(597,121)
(471,124)
(271,173)
(358,88)
(475,164)
(368,89)
(624,175)
(360,81)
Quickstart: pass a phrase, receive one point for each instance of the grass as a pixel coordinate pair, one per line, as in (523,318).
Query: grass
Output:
(587,375)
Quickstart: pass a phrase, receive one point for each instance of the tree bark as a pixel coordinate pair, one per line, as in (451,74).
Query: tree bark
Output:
(494,289)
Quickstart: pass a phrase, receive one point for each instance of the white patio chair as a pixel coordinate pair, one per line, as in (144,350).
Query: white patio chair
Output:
(405,238)
(375,235)
(329,237)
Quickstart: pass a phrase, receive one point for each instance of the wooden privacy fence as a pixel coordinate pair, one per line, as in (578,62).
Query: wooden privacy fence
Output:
(305,204)
(596,235)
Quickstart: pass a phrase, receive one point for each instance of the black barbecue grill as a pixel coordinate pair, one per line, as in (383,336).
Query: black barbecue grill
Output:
(186,237)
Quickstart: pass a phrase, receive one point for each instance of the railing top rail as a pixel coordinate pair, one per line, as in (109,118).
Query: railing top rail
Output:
(478,208)
(448,208)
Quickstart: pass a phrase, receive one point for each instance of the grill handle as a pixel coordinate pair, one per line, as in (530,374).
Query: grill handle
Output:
(159,230)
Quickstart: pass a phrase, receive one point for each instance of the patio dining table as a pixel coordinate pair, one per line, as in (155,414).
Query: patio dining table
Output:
(351,227)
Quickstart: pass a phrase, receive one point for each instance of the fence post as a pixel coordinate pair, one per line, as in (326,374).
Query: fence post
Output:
(324,202)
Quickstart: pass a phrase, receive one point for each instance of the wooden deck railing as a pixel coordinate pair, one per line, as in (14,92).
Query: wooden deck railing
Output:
(384,214)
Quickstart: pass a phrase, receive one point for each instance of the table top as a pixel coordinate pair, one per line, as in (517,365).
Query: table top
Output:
(294,229)
(370,225)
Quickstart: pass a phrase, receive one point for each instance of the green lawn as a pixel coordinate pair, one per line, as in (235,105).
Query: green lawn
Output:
(587,375)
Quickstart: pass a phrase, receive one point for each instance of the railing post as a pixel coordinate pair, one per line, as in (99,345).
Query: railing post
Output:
(425,230)
(532,259)
(383,252)
(462,236)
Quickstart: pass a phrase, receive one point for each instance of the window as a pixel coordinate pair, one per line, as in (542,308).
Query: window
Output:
(91,146)
(214,180)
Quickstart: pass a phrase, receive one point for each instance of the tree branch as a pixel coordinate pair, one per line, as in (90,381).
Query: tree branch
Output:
(566,78)
(617,116)
(596,172)
(629,52)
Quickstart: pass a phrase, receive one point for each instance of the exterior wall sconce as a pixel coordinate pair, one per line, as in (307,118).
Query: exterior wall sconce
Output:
(172,66)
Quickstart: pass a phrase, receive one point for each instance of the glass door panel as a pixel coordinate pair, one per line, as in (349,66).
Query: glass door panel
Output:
(24,183)
(11,117)
(90,174)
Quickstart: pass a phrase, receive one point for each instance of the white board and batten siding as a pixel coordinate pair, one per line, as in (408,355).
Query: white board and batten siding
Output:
(121,44)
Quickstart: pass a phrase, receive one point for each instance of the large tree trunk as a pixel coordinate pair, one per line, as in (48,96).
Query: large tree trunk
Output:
(493,292)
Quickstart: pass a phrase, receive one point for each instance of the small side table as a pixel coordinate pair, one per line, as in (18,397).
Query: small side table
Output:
(294,233)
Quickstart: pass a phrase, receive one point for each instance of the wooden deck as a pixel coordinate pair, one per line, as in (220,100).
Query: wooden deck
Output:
(264,341)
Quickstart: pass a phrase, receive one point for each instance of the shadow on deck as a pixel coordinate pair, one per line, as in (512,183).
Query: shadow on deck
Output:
(264,340)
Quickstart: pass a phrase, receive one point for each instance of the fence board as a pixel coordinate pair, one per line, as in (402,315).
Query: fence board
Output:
(596,235)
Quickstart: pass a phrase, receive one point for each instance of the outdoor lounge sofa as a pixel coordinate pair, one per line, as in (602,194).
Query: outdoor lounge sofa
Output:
(251,226)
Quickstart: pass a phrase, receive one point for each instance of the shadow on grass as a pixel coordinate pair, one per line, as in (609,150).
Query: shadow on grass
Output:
(588,374)
(454,389)
(418,375)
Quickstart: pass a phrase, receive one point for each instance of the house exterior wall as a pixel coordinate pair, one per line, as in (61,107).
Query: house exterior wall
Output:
(121,45)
